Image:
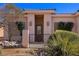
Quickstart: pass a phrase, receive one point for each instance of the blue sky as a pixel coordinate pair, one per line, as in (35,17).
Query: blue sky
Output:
(60,7)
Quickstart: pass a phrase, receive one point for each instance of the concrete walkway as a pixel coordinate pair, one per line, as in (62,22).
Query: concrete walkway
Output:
(37,45)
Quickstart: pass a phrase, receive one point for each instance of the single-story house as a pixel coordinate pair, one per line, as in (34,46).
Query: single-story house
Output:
(39,24)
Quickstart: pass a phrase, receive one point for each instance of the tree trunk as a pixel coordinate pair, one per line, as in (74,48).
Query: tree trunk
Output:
(21,36)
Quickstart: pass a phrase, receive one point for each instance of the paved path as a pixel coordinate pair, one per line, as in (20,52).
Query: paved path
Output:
(36,45)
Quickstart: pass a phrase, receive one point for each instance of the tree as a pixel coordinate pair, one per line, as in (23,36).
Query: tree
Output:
(13,12)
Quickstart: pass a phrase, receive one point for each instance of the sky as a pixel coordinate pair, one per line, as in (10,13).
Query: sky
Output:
(60,7)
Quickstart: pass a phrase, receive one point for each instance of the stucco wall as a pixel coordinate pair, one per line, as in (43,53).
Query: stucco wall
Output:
(6,36)
(1,31)
(77,23)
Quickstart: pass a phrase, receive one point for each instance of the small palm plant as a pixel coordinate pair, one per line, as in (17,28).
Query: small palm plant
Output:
(63,43)
(20,26)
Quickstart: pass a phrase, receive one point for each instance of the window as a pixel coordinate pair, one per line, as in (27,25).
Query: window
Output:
(63,26)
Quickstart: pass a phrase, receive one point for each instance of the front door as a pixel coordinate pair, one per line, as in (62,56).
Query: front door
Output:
(39,28)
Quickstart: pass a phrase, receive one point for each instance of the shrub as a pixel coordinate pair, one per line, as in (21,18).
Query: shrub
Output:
(63,43)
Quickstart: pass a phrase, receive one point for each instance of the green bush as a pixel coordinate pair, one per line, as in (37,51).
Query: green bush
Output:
(63,43)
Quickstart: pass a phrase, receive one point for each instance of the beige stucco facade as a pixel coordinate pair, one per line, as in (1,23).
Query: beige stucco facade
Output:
(47,26)
(51,17)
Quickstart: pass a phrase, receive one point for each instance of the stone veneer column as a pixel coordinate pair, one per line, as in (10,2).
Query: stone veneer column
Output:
(47,26)
(31,27)
(25,39)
